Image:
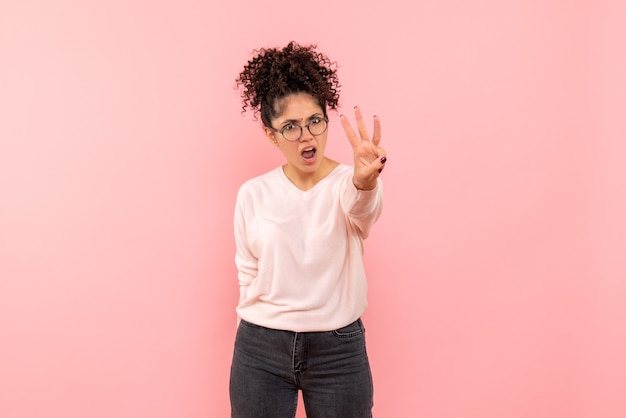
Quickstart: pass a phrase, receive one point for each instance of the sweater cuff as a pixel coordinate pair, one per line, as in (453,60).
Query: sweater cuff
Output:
(364,201)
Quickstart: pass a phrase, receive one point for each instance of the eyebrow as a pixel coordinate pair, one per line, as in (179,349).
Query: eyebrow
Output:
(315,115)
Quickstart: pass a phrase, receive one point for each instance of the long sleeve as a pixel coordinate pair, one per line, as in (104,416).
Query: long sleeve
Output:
(363,208)
(245,260)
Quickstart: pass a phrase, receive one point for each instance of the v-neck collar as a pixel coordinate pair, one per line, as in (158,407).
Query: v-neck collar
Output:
(291,186)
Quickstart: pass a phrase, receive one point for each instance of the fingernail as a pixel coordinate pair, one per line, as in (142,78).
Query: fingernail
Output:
(355,107)
(380,170)
(383,160)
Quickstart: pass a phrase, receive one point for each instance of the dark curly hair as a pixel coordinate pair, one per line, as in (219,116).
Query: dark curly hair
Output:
(275,73)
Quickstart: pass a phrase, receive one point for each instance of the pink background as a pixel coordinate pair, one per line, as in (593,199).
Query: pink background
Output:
(497,272)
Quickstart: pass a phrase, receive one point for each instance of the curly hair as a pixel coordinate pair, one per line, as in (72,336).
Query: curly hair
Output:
(275,73)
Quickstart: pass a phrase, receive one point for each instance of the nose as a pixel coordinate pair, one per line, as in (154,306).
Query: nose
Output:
(306,134)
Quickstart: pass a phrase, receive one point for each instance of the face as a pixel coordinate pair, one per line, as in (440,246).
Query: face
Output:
(306,155)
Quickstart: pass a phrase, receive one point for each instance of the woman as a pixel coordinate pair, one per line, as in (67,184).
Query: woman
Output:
(299,233)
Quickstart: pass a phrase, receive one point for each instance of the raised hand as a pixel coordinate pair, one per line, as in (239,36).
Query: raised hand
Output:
(369,157)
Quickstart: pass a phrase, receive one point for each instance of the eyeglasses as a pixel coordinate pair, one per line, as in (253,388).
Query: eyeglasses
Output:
(292,132)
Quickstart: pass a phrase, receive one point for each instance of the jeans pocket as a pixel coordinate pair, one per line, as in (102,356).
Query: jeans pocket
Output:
(352,330)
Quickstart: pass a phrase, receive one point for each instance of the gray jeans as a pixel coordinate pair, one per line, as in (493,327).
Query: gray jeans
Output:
(331,368)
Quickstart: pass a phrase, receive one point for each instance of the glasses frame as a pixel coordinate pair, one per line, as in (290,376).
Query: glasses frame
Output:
(307,126)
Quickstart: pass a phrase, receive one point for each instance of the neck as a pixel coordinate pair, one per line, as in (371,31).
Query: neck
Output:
(306,181)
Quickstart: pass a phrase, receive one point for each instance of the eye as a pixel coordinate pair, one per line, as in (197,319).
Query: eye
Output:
(289,127)
(315,121)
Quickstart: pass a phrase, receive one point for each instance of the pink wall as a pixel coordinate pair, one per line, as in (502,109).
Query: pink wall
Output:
(497,273)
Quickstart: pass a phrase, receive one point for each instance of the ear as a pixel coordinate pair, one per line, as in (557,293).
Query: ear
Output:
(271,136)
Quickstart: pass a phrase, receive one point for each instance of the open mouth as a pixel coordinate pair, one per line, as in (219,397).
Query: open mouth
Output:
(308,153)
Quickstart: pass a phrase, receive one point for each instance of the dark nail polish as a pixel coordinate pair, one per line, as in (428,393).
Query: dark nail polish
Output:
(383,160)
(380,170)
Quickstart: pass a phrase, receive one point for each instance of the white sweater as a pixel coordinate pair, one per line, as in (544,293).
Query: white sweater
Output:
(299,253)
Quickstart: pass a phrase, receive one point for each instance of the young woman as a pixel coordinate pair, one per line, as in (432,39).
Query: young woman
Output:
(299,232)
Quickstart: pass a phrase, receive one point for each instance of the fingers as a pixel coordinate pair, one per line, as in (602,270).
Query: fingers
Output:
(375,162)
(360,123)
(349,131)
(377,136)
(378,164)
(382,160)
(365,177)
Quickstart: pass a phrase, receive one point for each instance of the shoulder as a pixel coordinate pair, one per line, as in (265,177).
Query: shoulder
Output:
(268,177)
(344,174)
(342,171)
(260,183)
(344,168)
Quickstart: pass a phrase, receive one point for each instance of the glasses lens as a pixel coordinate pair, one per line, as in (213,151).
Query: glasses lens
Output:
(292,133)
(317,126)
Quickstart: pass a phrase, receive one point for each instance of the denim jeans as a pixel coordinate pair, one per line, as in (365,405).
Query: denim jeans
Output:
(330,368)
